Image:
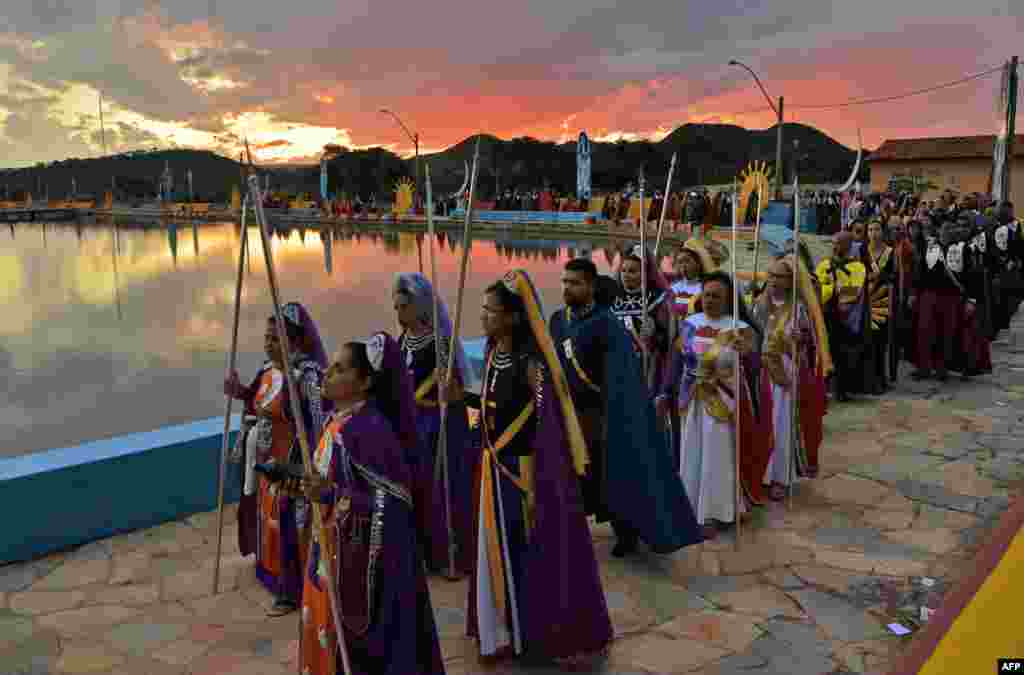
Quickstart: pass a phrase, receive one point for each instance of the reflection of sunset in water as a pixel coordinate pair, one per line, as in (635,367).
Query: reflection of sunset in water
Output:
(79,373)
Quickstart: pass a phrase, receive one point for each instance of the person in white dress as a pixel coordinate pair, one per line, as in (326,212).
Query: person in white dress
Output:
(704,369)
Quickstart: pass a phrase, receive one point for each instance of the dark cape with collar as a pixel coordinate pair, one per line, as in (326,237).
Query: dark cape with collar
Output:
(636,479)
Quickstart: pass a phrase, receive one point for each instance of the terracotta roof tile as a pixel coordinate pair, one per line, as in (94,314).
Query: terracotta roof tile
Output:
(955,147)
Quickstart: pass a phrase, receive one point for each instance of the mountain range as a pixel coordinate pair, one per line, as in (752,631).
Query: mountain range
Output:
(707,154)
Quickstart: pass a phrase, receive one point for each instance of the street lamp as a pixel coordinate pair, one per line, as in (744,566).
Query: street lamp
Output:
(778,112)
(415,138)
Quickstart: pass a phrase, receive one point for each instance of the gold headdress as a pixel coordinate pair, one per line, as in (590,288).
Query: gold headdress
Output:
(696,247)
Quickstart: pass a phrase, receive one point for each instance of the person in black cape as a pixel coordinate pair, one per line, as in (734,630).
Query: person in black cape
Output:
(632,480)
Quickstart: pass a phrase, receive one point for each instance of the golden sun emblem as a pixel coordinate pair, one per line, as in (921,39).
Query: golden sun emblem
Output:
(404,189)
(757,177)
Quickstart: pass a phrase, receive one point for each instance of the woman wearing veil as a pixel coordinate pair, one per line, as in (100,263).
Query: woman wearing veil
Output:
(535,587)
(414,299)
(704,374)
(273,522)
(652,333)
(364,484)
(691,262)
(794,455)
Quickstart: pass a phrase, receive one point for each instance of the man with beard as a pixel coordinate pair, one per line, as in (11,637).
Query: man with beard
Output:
(631,479)
(842,281)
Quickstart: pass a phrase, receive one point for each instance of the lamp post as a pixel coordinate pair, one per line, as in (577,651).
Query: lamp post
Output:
(415,138)
(778,113)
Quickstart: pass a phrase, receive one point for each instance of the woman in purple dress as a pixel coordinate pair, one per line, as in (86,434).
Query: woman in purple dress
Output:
(414,299)
(364,484)
(273,522)
(535,587)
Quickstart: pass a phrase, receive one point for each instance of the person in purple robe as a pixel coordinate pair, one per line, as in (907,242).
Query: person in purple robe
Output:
(422,344)
(273,522)
(535,587)
(364,485)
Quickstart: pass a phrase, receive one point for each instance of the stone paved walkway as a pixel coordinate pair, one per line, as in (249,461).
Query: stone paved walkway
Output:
(910,484)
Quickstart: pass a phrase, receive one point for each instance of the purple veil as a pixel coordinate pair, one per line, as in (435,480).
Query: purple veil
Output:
(421,292)
(295,314)
(386,359)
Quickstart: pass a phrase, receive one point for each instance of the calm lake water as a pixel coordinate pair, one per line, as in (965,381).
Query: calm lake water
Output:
(108,332)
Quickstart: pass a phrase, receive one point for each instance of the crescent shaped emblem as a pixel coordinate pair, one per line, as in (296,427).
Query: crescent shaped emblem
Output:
(856,164)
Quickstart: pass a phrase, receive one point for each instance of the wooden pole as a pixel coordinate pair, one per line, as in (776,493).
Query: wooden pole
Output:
(467,244)
(664,205)
(643,275)
(442,437)
(300,425)
(794,417)
(736,374)
(761,189)
(231,399)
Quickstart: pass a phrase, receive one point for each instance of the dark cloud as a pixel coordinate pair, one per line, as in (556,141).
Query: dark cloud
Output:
(510,68)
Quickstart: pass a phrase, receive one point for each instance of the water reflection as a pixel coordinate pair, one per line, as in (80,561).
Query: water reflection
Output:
(104,333)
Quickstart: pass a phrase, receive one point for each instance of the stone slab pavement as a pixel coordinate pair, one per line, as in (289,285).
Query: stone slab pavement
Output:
(910,484)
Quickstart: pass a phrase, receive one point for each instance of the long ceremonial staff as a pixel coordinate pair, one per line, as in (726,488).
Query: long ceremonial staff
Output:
(221,475)
(794,416)
(664,205)
(894,310)
(467,243)
(898,312)
(442,437)
(643,273)
(736,374)
(300,424)
(657,260)
(761,189)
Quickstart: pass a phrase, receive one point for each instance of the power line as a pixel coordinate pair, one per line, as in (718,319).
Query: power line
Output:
(869,101)
(896,97)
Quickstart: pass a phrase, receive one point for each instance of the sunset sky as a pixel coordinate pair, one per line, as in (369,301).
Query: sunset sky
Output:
(293,76)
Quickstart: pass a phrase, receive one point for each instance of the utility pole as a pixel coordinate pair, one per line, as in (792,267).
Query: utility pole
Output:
(1002,155)
(1011,124)
(778,152)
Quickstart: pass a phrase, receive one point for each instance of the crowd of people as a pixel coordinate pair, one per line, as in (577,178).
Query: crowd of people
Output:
(669,404)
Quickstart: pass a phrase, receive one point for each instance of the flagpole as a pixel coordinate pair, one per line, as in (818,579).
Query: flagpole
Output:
(738,380)
(231,399)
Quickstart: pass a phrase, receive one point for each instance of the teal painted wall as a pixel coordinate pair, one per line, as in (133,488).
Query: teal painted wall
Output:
(69,496)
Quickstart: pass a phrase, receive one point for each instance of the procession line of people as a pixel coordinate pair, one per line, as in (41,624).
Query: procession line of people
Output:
(670,411)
